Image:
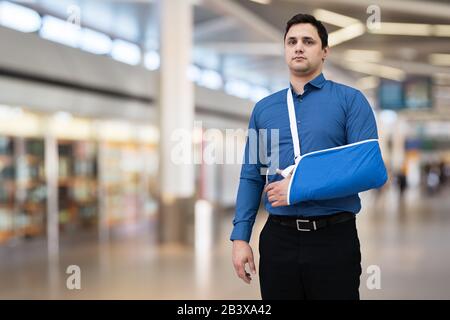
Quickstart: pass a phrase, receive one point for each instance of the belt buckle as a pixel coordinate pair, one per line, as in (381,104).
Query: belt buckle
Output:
(301,229)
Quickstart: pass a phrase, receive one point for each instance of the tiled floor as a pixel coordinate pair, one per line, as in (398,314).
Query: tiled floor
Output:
(409,241)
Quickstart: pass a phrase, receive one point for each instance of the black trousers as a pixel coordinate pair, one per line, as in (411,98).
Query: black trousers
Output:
(309,265)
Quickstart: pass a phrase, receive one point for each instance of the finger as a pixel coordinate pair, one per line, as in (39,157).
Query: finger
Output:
(246,278)
(275,204)
(251,263)
(241,270)
(279,203)
(268,187)
(272,192)
(279,195)
(238,269)
(271,186)
(243,274)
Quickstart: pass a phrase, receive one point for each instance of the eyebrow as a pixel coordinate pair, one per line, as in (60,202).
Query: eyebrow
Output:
(304,38)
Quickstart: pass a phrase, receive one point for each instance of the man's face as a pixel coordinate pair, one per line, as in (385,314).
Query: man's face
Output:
(303,49)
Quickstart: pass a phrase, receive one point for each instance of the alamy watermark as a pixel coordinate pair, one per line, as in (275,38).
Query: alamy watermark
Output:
(74,15)
(73,281)
(373,22)
(373,281)
(225,147)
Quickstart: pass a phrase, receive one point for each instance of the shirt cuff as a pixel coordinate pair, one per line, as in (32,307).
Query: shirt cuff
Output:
(242,231)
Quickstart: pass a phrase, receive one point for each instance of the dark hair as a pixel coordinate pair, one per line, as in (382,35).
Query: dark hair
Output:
(307,18)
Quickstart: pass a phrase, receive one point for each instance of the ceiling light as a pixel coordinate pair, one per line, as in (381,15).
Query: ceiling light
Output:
(126,52)
(403,29)
(363,55)
(152,60)
(439,59)
(60,31)
(258,92)
(345,34)
(238,88)
(376,70)
(63,116)
(262,1)
(19,18)
(95,42)
(194,73)
(334,18)
(210,79)
(441,30)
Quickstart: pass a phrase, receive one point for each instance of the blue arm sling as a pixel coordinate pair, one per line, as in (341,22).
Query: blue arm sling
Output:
(335,172)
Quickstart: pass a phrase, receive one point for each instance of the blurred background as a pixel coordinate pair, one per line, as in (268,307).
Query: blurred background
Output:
(92,91)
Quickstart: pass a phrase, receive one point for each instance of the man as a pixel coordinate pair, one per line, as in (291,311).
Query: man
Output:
(324,263)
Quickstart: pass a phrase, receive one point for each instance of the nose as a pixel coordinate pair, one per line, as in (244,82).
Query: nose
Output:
(299,48)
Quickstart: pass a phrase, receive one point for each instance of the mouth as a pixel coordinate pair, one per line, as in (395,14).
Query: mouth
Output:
(299,58)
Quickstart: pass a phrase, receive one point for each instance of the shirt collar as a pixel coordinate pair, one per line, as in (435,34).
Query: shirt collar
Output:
(317,82)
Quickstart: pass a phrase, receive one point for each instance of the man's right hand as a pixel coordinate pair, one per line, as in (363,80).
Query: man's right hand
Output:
(243,254)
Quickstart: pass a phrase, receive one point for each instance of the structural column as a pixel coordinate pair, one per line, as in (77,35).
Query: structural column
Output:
(51,172)
(176,121)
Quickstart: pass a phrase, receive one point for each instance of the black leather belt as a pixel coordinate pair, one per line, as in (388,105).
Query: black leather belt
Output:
(311,223)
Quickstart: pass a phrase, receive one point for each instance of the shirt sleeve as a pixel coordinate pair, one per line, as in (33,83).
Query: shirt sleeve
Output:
(251,185)
(361,124)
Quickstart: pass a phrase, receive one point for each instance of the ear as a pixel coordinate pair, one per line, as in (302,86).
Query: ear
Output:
(326,52)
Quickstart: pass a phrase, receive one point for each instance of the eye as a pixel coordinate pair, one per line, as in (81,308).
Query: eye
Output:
(292,41)
(309,42)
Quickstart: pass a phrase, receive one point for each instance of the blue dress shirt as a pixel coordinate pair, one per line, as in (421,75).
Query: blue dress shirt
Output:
(328,115)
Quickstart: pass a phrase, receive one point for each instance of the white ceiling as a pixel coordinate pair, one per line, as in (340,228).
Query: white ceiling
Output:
(243,39)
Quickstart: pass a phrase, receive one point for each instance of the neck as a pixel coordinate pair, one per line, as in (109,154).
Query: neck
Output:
(298,81)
